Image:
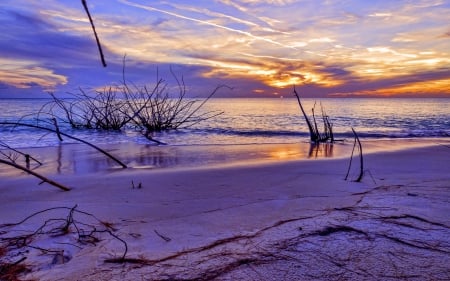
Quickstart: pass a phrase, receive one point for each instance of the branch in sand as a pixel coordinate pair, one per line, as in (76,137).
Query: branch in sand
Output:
(361,162)
(315,135)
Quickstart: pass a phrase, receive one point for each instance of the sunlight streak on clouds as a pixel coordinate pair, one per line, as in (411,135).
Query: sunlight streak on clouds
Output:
(437,87)
(346,47)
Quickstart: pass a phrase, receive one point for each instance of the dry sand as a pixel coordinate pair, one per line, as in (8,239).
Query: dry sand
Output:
(245,214)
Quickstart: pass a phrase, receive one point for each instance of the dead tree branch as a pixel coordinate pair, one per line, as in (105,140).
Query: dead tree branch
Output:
(44,179)
(312,132)
(68,136)
(26,155)
(95,32)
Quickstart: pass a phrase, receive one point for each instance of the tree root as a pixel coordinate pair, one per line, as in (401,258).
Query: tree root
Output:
(83,233)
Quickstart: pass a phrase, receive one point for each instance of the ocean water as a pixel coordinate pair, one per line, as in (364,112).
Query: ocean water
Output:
(255,121)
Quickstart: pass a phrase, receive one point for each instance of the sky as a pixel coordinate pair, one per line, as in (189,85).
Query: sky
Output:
(261,48)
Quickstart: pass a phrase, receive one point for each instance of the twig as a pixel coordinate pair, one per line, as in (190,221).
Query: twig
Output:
(27,156)
(165,238)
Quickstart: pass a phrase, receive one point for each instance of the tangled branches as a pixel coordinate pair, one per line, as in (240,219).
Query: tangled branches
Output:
(148,109)
(66,230)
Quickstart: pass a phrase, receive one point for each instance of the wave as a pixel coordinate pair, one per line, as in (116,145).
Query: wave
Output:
(337,135)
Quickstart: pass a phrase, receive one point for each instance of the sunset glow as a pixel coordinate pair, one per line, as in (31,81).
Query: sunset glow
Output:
(258,47)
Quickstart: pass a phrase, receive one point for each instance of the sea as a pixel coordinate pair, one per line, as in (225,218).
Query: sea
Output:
(252,121)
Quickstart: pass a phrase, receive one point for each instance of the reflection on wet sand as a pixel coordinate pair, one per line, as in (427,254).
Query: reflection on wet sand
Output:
(80,159)
(318,150)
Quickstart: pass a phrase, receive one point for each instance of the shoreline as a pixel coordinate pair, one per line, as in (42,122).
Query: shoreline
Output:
(242,222)
(81,159)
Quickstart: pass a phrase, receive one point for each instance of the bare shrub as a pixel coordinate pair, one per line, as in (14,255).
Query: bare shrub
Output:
(100,109)
(146,108)
(157,110)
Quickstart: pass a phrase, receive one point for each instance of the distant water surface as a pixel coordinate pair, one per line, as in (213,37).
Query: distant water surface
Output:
(257,121)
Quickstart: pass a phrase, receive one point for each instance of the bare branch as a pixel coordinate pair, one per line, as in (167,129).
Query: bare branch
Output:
(68,136)
(44,179)
(95,32)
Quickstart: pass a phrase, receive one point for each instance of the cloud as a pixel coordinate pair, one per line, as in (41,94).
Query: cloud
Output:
(326,47)
(260,2)
(425,84)
(206,22)
(25,74)
(380,15)
(430,88)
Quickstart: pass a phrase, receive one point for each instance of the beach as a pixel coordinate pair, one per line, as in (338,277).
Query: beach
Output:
(278,212)
(224,140)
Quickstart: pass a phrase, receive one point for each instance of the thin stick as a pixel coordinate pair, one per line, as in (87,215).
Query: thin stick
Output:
(361,162)
(165,238)
(58,133)
(312,133)
(95,32)
(351,159)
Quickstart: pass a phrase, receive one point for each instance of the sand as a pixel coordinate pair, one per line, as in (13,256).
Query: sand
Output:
(274,212)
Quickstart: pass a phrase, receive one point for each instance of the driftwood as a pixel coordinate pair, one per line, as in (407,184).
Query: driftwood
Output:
(59,133)
(44,179)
